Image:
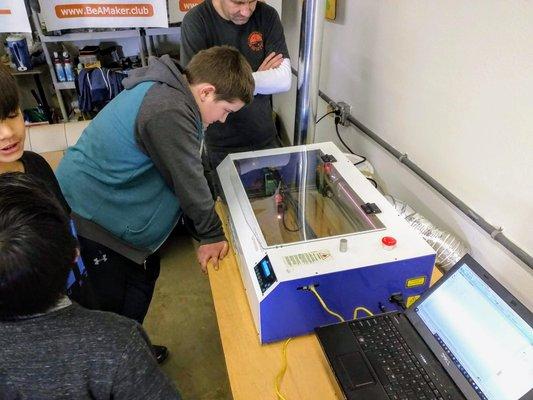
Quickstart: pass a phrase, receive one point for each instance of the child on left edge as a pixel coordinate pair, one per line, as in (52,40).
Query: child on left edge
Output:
(13,158)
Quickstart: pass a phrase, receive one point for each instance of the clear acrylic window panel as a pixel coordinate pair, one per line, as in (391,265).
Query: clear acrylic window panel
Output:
(297,197)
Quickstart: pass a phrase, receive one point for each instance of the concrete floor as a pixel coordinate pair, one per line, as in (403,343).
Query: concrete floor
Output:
(182,317)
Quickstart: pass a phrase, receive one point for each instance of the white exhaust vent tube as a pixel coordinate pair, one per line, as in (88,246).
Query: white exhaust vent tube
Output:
(448,247)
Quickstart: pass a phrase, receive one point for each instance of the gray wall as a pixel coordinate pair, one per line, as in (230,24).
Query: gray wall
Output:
(450,84)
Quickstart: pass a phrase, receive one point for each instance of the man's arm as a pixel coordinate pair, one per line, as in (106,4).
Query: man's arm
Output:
(278,78)
(274,80)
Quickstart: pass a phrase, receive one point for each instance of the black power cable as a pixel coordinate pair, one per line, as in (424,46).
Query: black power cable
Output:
(285,224)
(326,114)
(363,158)
(373,182)
(397,298)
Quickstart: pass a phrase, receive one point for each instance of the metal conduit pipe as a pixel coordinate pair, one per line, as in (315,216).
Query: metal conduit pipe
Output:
(494,232)
(311,28)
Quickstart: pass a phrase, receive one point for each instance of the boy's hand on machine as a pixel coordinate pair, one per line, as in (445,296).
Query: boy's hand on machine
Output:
(271,61)
(211,252)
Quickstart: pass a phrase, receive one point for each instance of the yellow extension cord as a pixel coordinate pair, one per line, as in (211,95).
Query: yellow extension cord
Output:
(313,290)
(281,372)
(361,309)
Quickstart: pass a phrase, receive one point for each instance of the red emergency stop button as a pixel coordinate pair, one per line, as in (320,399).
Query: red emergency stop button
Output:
(388,242)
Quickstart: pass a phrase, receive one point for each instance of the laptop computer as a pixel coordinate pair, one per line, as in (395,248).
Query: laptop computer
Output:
(466,337)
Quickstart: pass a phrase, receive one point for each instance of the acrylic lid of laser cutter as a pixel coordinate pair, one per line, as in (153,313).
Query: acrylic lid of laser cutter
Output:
(299,196)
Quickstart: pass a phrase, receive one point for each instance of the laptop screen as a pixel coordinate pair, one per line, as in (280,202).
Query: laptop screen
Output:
(489,342)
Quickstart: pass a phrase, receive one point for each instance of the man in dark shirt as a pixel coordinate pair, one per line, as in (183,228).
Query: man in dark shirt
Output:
(51,348)
(255,29)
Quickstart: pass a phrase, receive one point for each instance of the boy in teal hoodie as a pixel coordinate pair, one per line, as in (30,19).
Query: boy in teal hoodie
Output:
(137,167)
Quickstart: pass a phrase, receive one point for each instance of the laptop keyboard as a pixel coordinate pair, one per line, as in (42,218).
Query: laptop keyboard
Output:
(400,373)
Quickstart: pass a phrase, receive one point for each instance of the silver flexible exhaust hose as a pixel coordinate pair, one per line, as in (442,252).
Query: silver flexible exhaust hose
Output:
(448,247)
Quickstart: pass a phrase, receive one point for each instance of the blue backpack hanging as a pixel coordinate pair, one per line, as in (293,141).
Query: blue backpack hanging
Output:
(97,87)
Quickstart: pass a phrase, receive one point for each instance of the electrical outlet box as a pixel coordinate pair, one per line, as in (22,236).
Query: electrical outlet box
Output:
(344,109)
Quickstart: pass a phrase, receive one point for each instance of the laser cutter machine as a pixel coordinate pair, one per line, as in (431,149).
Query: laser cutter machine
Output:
(305,215)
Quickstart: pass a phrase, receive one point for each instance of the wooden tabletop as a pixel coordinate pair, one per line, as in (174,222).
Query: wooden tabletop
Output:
(252,367)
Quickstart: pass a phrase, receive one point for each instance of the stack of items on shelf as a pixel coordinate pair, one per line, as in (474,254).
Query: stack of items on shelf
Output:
(100,74)
(23,57)
(109,57)
(89,57)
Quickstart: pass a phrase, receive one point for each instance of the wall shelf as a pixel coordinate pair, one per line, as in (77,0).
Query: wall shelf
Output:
(142,35)
(162,31)
(83,36)
(66,85)
(80,36)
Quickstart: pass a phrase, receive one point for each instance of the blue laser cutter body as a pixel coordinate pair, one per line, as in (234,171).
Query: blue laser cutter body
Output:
(305,215)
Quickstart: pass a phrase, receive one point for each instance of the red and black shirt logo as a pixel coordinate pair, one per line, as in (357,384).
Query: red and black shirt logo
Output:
(255,41)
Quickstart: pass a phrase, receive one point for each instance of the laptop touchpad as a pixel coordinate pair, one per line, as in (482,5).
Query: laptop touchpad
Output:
(356,370)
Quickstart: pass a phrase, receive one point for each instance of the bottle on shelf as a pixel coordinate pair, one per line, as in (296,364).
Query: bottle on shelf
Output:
(58,66)
(67,65)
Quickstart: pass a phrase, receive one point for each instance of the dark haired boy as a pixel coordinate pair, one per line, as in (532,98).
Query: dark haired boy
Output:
(137,167)
(50,347)
(13,158)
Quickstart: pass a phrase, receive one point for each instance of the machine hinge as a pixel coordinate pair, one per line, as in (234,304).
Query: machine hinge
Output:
(370,208)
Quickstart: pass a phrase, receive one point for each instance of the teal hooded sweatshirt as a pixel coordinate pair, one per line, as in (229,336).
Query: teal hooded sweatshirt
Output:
(137,165)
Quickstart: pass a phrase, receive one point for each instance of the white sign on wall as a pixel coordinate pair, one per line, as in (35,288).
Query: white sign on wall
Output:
(64,14)
(13,16)
(178,8)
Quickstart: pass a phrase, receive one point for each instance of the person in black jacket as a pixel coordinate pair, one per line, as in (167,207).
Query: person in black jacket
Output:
(13,158)
(51,348)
